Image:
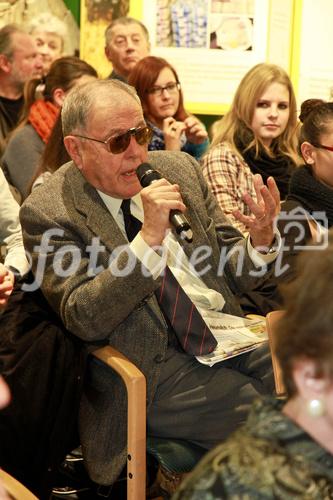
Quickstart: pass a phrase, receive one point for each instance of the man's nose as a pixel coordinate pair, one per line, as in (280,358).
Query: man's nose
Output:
(38,62)
(165,93)
(130,44)
(44,50)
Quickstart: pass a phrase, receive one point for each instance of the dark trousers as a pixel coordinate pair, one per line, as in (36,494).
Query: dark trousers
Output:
(203,404)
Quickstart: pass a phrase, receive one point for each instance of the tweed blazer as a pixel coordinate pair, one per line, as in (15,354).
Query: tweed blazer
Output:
(121,310)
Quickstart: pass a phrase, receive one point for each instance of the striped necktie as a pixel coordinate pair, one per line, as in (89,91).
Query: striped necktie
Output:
(192,332)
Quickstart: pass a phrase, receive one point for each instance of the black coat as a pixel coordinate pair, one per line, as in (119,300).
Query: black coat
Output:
(43,366)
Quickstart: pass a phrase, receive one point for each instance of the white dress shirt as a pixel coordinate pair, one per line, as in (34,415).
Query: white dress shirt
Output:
(10,229)
(172,254)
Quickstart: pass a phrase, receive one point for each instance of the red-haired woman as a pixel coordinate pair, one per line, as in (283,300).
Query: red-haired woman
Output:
(158,87)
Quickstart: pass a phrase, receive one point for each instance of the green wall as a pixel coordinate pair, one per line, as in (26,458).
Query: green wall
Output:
(74,7)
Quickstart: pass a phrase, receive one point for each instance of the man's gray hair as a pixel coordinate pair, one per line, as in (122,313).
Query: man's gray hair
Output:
(6,39)
(80,100)
(124,21)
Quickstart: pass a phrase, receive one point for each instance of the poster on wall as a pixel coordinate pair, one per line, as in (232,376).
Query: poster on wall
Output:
(211,44)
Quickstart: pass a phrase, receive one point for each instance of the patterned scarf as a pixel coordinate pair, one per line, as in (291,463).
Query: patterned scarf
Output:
(278,166)
(312,194)
(42,116)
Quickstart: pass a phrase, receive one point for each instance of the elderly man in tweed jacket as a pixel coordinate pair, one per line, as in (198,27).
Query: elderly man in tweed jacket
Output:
(103,286)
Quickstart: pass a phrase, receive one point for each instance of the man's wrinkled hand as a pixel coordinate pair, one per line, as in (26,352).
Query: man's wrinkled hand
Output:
(157,201)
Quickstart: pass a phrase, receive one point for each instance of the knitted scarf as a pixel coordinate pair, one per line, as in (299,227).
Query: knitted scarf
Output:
(312,194)
(278,166)
(42,116)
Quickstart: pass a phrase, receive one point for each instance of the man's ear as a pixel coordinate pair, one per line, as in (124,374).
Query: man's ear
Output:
(74,150)
(107,53)
(58,97)
(5,63)
(308,153)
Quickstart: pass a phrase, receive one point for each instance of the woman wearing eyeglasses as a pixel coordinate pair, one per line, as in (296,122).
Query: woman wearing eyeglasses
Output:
(308,210)
(158,87)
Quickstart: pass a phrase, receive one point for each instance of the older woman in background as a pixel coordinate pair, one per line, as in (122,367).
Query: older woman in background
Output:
(158,87)
(49,33)
(285,450)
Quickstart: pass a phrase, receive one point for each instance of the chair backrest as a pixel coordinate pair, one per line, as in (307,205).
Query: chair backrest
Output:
(271,325)
(15,488)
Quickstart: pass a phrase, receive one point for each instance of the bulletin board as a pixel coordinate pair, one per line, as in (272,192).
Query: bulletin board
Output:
(213,44)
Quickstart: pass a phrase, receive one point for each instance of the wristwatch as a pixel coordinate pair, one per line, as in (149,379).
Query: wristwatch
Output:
(272,248)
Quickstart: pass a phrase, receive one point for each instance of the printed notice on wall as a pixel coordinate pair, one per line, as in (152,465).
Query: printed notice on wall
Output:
(211,44)
(316,68)
(280,33)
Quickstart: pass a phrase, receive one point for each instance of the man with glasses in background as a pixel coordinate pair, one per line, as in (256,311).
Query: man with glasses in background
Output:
(101,243)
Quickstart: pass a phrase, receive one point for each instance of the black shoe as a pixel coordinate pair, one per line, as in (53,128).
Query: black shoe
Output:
(75,455)
(67,491)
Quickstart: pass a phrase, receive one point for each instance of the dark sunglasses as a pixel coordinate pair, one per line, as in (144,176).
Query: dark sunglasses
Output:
(120,143)
(321,146)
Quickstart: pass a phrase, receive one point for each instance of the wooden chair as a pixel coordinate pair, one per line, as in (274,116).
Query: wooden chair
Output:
(175,456)
(135,383)
(15,488)
(271,324)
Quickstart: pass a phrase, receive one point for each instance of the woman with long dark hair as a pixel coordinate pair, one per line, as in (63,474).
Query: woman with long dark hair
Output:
(39,114)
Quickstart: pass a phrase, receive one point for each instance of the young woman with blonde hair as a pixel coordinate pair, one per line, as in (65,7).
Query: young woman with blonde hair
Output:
(258,135)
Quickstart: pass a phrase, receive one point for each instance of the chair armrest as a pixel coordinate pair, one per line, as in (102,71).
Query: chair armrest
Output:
(271,325)
(16,489)
(135,383)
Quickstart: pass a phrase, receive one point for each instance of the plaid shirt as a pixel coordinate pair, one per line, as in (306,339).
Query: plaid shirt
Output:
(229,177)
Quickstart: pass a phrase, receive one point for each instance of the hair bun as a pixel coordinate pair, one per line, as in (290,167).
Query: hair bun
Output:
(307,106)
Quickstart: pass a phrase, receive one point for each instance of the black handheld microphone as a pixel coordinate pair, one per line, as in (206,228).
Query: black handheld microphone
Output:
(146,175)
